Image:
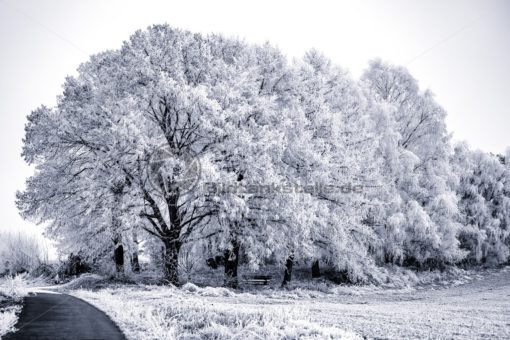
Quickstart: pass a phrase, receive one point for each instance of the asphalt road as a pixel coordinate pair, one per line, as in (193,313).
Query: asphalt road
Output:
(61,316)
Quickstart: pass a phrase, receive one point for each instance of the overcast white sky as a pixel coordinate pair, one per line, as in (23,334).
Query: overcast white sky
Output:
(458,49)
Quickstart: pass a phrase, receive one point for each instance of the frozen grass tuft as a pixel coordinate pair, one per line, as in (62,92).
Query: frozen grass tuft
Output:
(12,292)
(8,318)
(14,288)
(85,281)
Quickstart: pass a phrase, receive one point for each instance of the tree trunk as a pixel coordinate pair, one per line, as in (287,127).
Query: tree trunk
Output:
(287,275)
(135,263)
(118,251)
(118,256)
(316,271)
(231,264)
(171,262)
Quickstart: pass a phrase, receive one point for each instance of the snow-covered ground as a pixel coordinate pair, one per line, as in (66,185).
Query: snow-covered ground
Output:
(478,309)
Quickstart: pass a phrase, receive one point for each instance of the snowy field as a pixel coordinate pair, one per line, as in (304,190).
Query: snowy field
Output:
(478,309)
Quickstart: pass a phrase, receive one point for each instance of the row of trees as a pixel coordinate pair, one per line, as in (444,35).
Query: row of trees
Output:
(252,118)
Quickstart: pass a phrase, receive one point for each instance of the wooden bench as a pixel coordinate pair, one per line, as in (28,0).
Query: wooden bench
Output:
(257,279)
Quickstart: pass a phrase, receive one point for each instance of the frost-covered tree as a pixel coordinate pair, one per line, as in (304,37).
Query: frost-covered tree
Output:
(484,205)
(170,90)
(331,156)
(72,190)
(245,156)
(419,221)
